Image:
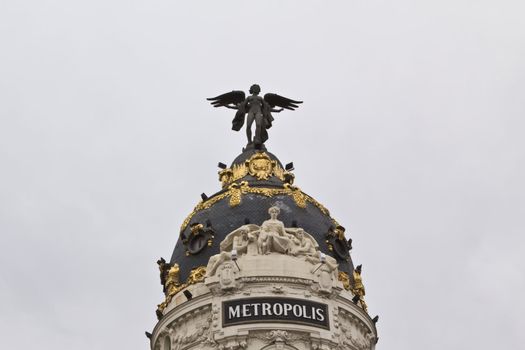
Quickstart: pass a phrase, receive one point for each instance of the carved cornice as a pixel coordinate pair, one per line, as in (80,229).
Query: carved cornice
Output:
(273,279)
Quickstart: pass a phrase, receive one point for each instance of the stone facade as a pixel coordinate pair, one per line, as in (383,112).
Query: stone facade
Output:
(278,266)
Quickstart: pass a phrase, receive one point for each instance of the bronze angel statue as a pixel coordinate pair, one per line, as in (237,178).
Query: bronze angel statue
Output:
(256,108)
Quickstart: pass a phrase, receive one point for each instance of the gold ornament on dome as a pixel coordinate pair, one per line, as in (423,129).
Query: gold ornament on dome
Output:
(196,275)
(339,232)
(345,279)
(195,229)
(225,176)
(239,171)
(261,166)
(358,288)
(298,196)
(236,190)
(173,286)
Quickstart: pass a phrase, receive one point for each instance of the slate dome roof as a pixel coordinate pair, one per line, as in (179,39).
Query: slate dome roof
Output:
(255,181)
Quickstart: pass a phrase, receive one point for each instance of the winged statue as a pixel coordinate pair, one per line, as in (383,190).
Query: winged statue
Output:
(256,109)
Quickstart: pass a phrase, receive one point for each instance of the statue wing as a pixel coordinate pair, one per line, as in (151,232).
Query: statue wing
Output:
(276,100)
(234,97)
(238,120)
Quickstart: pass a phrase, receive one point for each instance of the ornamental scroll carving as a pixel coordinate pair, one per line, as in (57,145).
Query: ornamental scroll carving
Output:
(278,336)
(193,328)
(270,238)
(354,334)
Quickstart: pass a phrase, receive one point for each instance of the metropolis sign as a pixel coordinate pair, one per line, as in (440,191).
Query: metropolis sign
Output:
(285,310)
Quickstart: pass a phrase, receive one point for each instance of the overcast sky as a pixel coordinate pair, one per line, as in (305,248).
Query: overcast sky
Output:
(411,133)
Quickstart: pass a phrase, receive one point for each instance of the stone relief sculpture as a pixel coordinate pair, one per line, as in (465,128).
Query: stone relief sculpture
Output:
(192,330)
(353,333)
(236,242)
(270,238)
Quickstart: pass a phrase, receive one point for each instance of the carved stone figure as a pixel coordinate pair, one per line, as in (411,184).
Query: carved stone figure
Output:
(256,109)
(271,238)
(238,240)
(232,241)
(302,246)
(276,239)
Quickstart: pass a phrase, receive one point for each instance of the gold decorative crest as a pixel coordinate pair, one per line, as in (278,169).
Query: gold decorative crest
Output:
(195,229)
(261,166)
(196,275)
(225,176)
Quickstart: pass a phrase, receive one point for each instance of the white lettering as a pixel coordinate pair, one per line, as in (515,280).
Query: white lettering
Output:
(305,315)
(320,314)
(266,309)
(287,308)
(256,309)
(246,311)
(297,311)
(277,309)
(234,311)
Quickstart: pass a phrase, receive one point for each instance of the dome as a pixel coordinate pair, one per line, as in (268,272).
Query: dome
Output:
(255,181)
(261,264)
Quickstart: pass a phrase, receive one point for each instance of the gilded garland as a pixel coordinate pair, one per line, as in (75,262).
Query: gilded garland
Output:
(236,190)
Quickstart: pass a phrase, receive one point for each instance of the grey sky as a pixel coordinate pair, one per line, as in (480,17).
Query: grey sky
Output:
(412,134)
